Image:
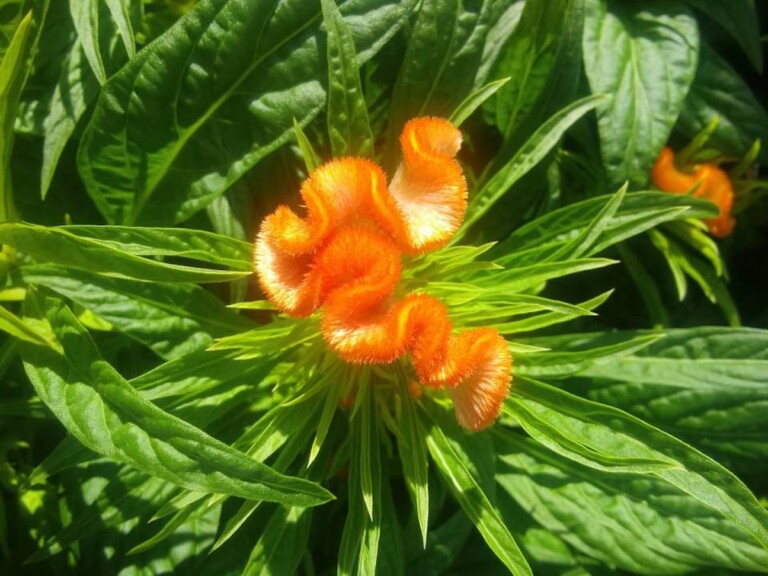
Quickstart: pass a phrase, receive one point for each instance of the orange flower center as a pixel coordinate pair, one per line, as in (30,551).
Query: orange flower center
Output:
(344,257)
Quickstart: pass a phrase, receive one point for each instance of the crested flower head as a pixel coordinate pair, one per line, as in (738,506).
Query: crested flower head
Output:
(343,258)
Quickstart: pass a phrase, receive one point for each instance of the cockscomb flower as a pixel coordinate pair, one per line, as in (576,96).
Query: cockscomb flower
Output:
(706,181)
(343,258)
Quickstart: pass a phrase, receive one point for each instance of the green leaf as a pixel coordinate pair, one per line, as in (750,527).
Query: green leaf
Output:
(529,155)
(455,466)
(13,74)
(348,127)
(16,327)
(605,438)
(571,353)
(129,495)
(108,416)
(718,91)
(85,15)
(528,57)
(362,529)
(635,523)
(551,318)
(171,319)
(311,159)
(696,359)
(645,57)
(413,457)
(475,100)
(444,49)
(74,92)
(538,240)
(741,21)
(283,543)
(235,73)
(119,251)
(120,11)
(708,386)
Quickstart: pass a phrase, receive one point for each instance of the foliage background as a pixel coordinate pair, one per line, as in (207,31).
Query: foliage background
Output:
(145,426)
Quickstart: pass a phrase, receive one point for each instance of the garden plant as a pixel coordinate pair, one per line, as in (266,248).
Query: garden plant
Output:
(383,287)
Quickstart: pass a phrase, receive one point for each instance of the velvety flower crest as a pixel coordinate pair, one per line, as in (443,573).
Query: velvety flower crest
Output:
(343,258)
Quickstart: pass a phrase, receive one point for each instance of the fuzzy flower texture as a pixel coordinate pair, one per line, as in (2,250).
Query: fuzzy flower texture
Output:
(344,258)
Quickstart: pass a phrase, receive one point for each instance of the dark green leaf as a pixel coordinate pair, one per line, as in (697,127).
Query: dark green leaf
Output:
(741,20)
(413,456)
(645,56)
(190,115)
(606,438)
(719,92)
(172,319)
(637,523)
(528,156)
(348,127)
(118,251)
(13,73)
(461,476)
(108,416)
(528,58)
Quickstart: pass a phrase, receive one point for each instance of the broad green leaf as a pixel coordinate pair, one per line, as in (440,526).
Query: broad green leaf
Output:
(119,251)
(16,327)
(497,37)
(444,49)
(362,529)
(74,92)
(283,543)
(348,127)
(171,319)
(469,491)
(538,240)
(177,242)
(527,57)
(188,116)
(13,73)
(196,374)
(696,359)
(646,58)
(708,386)
(632,522)
(108,416)
(413,457)
(571,353)
(131,494)
(741,21)
(528,156)
(718,91)
(85,15)
(120,10)
(605,438)
(475,100)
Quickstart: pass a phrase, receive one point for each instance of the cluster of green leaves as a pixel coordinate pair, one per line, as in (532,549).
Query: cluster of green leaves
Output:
(157,417)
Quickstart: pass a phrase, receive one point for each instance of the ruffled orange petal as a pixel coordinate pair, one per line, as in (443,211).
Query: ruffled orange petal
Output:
(478,397)
(666,176)
(429,186)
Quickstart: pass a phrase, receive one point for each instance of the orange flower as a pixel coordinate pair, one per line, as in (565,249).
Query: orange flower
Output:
(344,256)
(707,181)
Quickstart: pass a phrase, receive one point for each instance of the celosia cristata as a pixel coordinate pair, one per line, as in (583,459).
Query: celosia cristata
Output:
(706,181)
(344,257)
